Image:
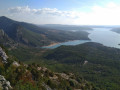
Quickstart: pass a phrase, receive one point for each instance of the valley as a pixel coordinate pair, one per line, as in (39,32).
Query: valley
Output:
(103,35)
(102,67)
(59,45)
(92,55)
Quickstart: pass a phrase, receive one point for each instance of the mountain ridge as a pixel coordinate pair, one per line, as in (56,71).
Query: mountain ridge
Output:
(32,35)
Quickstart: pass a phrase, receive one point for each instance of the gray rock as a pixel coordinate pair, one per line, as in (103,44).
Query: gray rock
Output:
(4,84)
(16,64)
(3,55)
(85,62)
(8,84)
(47,87)
(2,78)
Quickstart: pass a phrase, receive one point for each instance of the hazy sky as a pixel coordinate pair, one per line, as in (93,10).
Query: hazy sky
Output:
(80,12)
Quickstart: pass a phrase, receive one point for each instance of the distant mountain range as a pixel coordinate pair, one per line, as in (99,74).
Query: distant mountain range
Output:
(22,33)
(117,30)
(77,27)
(66,27)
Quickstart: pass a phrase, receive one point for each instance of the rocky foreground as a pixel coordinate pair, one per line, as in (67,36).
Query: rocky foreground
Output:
(4,84)
(19,76)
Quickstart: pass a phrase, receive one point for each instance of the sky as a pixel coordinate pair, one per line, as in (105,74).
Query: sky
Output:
(71,12)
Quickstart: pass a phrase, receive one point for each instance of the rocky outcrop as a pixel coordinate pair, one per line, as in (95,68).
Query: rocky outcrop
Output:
(47,87)
(85,62)
(5,39)
(15,64)
(63,75)
(3,55)
(4,84)
(2,33)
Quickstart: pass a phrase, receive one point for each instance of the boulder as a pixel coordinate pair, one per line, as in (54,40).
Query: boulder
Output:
(85,62)
(16,64)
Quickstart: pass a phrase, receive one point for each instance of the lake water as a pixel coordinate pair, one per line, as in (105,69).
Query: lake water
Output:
(105,36)
(100,35)
(75,42)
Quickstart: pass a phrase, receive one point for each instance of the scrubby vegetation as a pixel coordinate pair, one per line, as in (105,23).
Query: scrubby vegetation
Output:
(34,77)
(94,62)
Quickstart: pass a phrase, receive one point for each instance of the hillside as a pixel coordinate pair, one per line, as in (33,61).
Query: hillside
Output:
(93,61)
(32,35)
(116,30)
(96,63)
(67,27)
(21,76)
(4,39)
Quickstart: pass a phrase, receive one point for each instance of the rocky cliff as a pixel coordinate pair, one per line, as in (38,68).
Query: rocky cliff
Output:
(4,84)
(3,55)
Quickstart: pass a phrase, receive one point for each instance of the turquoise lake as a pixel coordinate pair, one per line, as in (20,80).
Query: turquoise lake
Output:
(100,35)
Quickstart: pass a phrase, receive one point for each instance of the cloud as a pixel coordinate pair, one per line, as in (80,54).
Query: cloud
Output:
(25,9)
(46,11)
(98,15)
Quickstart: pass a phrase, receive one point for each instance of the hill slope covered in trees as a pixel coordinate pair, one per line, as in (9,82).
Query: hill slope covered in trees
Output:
(21,76)
(96,63)
(33,35)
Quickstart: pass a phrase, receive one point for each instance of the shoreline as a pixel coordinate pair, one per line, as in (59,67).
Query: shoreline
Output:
(52,44)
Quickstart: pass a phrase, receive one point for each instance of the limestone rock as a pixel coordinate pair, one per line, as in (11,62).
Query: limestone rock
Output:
(3,55)
(4,84)
(63,75)
(85,62)
(16,64)
(46,86)
(39,68)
